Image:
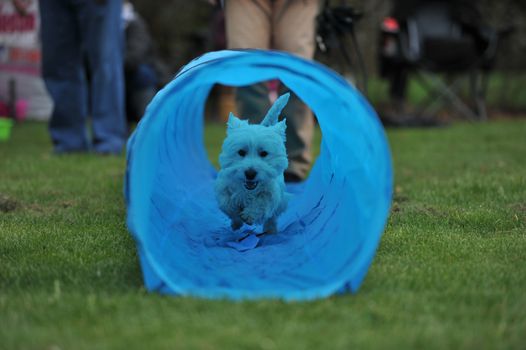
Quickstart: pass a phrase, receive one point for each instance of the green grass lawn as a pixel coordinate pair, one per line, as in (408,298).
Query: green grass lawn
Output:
(450,271)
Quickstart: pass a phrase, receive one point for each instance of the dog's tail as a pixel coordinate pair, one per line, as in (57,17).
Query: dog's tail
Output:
(273,113)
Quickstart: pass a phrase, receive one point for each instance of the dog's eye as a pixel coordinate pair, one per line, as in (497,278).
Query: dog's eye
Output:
(263,154)
(242,152)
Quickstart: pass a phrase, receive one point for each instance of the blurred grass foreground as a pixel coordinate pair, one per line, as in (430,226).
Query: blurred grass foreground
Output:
(450,271)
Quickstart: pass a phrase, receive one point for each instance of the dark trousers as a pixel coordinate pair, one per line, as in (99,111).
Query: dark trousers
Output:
(80,36)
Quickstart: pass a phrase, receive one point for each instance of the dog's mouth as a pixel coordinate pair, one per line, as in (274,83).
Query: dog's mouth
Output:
(250,184)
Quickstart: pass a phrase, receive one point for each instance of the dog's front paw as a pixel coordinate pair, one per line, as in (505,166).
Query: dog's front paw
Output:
(247,218)
(236,224)
(270,226)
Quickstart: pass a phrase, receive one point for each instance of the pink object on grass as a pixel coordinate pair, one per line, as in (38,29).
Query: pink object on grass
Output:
(21,107)
(3,109)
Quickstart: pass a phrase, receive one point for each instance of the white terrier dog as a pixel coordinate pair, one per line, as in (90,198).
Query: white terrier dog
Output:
(250,187)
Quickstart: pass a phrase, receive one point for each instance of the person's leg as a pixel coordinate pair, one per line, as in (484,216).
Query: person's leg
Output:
(142,86)
(252,102)
(294,26)
(248,26)
(299,134)
(294,31)
(128,105)
(398,88)
(63,73)
(103,39)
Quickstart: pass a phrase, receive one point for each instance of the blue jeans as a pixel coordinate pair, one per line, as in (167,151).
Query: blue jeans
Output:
(80,36)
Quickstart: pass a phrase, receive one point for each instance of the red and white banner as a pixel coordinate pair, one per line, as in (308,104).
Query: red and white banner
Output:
(20,59)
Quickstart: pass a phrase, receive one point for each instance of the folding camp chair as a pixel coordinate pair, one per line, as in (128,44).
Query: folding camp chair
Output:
(440,43)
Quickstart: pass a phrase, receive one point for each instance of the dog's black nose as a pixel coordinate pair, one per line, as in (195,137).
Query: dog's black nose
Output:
(250,174)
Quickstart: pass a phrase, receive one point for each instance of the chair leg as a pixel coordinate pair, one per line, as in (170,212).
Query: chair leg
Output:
(441,91)
(436,94)
(478,85)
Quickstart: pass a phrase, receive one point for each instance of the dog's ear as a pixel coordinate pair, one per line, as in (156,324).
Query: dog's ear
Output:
(273,113)
(234,122)
(281,129)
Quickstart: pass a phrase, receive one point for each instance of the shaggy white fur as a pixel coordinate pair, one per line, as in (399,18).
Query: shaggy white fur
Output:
(250,187)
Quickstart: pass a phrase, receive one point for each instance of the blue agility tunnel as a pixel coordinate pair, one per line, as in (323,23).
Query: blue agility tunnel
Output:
(328,235)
